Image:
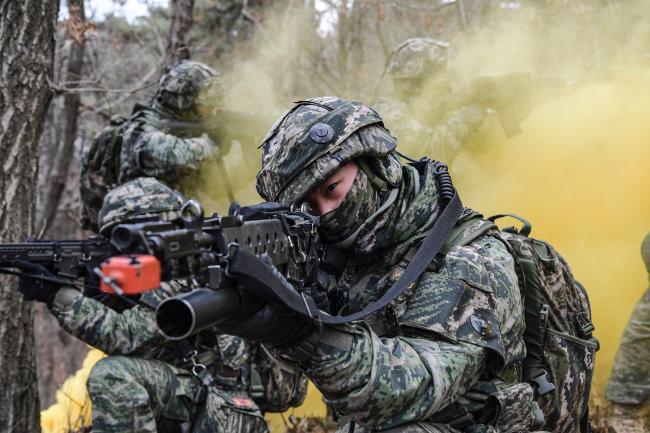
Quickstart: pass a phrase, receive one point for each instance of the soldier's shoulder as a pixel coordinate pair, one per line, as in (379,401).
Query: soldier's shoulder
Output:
(470,297)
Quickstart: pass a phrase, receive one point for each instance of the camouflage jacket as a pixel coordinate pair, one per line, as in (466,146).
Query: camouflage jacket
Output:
(150,148)
(133,332)
(441,141)
(435,353)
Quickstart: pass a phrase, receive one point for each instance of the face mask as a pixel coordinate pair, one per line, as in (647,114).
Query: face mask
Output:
(361,201)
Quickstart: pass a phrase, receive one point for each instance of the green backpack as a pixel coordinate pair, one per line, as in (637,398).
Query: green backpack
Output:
(99,171)
(560,346)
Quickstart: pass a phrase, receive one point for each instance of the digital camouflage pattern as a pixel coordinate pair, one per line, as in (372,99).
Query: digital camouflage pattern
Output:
(440,139)
(99,165)
(291,145)
(190,91)
(151,148)
(145,145)
(359,204)
(161,398)
(186,87)
(418,58)
(141,197)
(146,384)
(122,387)
(452,339)
(559,333)
(440,130)
(629,382)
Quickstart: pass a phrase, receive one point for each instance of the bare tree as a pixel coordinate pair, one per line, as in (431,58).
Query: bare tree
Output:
(27,52)
(57,172)
(180,33)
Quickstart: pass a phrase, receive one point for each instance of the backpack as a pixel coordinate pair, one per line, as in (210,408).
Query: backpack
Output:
(559,337)
(99,171)
(560,347)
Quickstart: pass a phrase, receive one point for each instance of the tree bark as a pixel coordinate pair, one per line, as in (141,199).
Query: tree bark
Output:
(180,33)
(27,52)
(58,170)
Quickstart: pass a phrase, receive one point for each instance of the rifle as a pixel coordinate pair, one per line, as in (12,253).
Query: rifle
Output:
(223,124)
(223,127)
(74,260)
(509,95)
(262,241)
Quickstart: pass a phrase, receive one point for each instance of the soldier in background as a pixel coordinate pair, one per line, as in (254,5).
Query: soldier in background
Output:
(629,384)
(169,139)
(437,114)
(210,382)
(153,145)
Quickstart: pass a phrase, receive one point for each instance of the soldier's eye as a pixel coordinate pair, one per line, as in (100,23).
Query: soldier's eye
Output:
(331,187)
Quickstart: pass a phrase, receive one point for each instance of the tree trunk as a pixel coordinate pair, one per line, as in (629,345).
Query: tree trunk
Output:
(58,170)
(180,33)
(27,52)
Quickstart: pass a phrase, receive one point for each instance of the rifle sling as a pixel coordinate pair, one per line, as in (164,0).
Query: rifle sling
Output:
(250,267)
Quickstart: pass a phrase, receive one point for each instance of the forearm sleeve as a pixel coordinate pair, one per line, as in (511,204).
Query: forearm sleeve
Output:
(284,386)
(166,156)
(384,382)
(129,332)
(444,140)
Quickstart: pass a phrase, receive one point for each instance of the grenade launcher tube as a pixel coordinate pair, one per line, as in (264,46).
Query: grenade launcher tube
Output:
(181,316)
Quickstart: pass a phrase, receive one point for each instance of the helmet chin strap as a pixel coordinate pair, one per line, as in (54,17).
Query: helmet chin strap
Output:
(345,243)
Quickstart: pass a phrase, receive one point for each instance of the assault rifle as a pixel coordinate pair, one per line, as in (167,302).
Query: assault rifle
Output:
(214,253)
(226,124)
(508,95)
(224,127)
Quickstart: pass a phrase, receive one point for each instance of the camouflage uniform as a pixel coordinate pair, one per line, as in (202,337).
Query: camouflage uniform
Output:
(147,383)
(439,135)
(428,361)
(629,384)
(150,147)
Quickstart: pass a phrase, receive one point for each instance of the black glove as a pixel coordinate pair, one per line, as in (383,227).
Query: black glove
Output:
(34,289)
(273,324)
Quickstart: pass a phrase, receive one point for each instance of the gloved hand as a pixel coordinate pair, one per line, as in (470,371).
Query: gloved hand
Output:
(34,289)
(273,324)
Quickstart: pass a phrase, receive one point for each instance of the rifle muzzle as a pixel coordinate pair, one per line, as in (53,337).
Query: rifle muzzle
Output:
(181,316)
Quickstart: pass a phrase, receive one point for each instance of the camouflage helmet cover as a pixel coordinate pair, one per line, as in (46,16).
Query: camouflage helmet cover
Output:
(313,139)
(187,85)
(141,197)
(418,58)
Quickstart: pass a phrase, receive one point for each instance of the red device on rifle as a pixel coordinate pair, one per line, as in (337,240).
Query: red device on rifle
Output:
(129,275)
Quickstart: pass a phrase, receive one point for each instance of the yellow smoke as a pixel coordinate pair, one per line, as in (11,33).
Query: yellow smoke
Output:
(71,412)
(580,172)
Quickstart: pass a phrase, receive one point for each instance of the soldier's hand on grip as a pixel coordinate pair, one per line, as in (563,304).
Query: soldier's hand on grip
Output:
(273,324)
(37,283)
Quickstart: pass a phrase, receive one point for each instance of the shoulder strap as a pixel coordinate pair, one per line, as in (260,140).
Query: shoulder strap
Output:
(251,268)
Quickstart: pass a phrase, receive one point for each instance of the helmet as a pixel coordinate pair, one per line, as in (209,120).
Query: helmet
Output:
(316,137)
(418,58)
(141,197)
(186,86)
(645,251)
